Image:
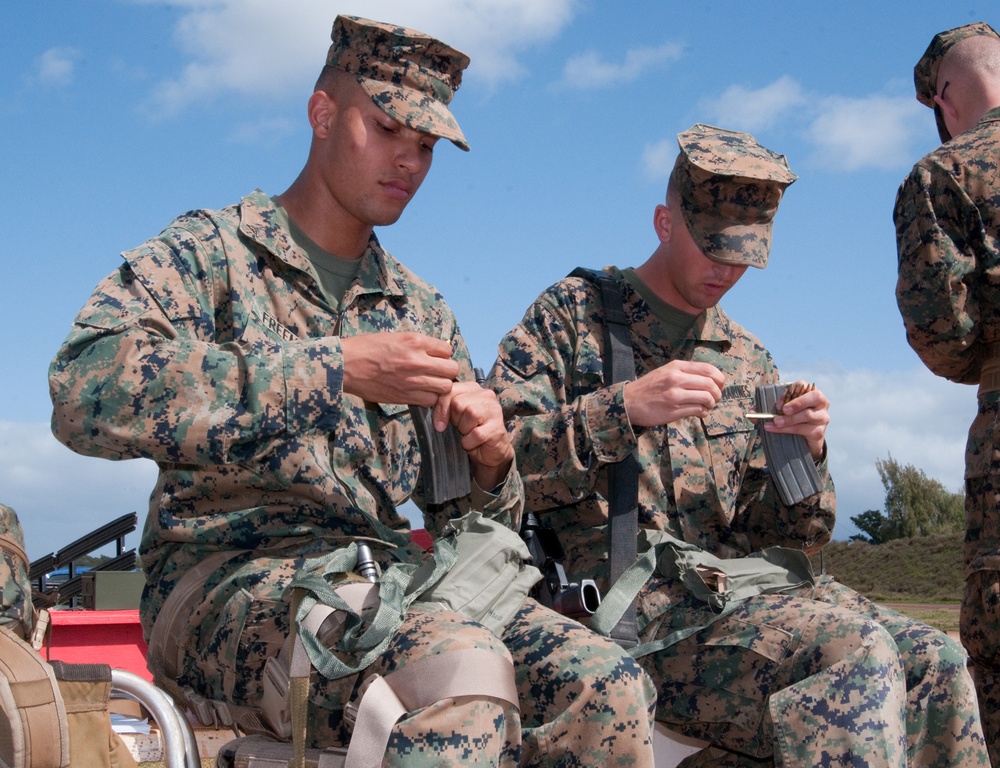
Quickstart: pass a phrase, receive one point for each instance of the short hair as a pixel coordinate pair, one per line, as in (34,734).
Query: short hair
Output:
(978,54)
(331,80)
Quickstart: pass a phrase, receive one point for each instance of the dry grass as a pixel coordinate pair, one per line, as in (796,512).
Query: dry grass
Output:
(926,569)
(921,577)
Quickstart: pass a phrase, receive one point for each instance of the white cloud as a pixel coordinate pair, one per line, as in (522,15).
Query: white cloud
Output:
(846,133)
(590,70)
(869,132)
(737,108)
(754,109)
(266,50)
(60,496)
(658,159)
(492,32)
(56,66)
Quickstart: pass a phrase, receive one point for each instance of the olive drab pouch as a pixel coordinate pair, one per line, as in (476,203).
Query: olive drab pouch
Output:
(86,693)
(491,577)
(477,568)
(721,582)
(16,610)
(342,623)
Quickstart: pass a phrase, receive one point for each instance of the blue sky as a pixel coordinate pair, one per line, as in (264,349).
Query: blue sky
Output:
(117,115)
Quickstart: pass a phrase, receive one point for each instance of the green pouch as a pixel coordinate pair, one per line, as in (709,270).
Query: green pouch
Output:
(719,582)
(477,568)
(365,634)
(491,575)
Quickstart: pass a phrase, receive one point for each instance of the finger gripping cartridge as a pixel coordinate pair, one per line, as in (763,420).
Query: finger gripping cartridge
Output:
(788,458)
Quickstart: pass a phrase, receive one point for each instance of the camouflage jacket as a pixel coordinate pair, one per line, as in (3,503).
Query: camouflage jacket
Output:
(213,352)
(947,218)
(702,480)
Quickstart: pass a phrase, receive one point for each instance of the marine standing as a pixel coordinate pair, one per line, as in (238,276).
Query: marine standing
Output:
(947,217)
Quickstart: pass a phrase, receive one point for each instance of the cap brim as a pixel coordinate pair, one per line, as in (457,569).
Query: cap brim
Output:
(738,245)
(416,110)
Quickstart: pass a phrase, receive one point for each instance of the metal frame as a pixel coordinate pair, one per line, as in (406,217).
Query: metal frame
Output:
(180,750)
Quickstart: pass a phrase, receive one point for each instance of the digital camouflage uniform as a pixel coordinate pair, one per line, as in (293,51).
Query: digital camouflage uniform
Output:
(213,351)
(947,219)
(817,677)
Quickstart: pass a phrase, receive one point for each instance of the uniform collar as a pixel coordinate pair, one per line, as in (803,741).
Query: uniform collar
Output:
(991,116)
(260,222)
(712,326)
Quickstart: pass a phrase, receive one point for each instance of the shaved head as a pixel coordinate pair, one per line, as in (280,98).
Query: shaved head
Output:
(968,82)
(335,82)
(974,57)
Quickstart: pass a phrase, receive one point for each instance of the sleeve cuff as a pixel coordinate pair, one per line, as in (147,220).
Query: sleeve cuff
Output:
(509,488)
(605,423)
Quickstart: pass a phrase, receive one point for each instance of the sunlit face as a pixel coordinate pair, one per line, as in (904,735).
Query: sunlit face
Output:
(372,166)
(693,281)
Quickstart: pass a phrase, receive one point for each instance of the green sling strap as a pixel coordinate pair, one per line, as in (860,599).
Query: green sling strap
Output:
(479,568)
(317,586)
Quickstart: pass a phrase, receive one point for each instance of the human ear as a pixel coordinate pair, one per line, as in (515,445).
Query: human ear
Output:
(663,222)
(946,103)
(321,110)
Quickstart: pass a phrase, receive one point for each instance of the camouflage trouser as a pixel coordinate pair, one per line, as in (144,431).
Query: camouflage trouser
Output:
(980,630)
(583,701)
(819,677)
(980,622)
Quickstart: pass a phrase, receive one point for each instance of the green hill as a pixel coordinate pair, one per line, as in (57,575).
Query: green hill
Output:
(921,577)
(924,569)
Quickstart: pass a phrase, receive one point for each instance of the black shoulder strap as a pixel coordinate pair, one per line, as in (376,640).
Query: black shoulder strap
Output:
(623,476)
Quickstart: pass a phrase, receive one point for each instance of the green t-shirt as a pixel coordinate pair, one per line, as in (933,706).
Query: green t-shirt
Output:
(334,273)
(676,323)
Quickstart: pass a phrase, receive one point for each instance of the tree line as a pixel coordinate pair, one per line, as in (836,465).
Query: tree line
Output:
(915,505)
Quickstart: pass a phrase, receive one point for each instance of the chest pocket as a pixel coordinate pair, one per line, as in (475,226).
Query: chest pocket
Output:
(729,436)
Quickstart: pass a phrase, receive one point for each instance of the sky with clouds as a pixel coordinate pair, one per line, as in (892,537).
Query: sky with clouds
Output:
(117,115)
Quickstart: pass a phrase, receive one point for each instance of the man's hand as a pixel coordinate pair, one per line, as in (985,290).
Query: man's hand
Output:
(673,391)
(476,414)
(414,369)
(407,368)
(807,415)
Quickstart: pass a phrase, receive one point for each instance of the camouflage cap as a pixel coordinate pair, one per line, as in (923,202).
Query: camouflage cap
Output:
(411,76)
(926,70)
(729,188)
